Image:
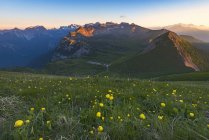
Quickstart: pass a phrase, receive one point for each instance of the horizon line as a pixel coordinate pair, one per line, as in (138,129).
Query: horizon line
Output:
(58,26)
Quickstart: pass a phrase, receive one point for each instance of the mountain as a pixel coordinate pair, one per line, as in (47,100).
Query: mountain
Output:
(125,49)
(199,44)
(168,53)
(92,47)
(191,39)
(22,47)
(199,32)
(105,40)
(96,48)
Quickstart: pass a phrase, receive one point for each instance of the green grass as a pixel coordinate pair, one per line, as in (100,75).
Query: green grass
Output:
(72,103)
(194,76)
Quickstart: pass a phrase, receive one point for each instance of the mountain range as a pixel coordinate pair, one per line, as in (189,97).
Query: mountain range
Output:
(22,47)
(199,32)
(123,49)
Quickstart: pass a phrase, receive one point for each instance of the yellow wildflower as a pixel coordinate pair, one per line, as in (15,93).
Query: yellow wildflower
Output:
(162,104)
(101,104)
(160,117)
(32,109)
(128,115)
(43,109)
(191,114)
(99,114)
(41,138)
(100,128)
(111,97)
(103,118)
(18,123)
(142,116)
(27,121)
(181,101)
(107,96)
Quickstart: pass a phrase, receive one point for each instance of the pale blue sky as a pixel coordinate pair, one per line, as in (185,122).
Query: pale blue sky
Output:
(55,13)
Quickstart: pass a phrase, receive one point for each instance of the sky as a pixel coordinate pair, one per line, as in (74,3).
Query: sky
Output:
(147,13)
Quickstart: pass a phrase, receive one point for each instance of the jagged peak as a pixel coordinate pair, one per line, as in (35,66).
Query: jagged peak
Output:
(17,29)
(71,26)
(85,31)
(36,28)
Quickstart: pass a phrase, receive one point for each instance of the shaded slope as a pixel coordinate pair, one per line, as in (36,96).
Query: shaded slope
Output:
(166,54)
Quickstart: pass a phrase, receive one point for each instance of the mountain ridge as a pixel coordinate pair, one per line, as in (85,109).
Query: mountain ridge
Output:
(199,32)
(88,43)
(121,48)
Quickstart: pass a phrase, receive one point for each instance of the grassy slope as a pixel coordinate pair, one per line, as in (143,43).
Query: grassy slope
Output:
(197,43)
(199,51)
(164,59)
(71,105)
(191,39)
(199,56)
(195,76)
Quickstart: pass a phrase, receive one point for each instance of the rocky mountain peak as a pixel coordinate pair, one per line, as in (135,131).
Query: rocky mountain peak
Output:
(85,31)
(36,28)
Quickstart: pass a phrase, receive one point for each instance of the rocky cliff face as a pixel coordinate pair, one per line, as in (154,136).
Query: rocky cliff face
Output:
(179,44)
(78,42)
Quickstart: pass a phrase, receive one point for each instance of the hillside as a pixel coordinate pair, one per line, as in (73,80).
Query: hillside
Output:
(191,39)
(199,44)
(168,53)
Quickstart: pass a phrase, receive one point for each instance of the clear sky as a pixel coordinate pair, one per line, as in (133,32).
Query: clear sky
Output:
(148,13)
